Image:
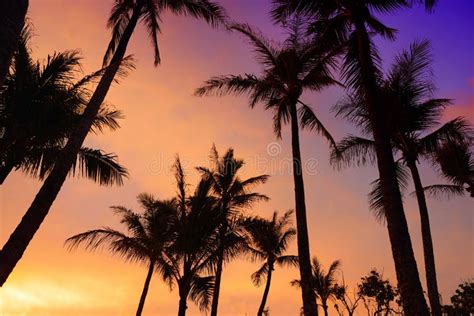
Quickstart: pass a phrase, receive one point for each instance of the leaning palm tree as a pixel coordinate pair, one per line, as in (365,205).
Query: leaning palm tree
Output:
(37,94)
(12,20)
(288,69)
(407,96)
(124,18)
(456,164)
(324,283)
(269,239)
(233,195)
(194,249)
(147,237)
(353,25)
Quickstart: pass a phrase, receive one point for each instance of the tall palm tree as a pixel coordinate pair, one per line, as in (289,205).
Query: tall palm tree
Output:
(288,69)
(123,20)
(324,283)
(194,249)
(12,20)
(34,96)
(456,164)
(406,95)
(147,237)
(269,239)
(234,195)
(353,24)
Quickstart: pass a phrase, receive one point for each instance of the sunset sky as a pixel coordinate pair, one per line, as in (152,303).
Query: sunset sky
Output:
(163,118)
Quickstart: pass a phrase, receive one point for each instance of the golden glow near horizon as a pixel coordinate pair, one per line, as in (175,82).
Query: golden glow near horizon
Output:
(163,118)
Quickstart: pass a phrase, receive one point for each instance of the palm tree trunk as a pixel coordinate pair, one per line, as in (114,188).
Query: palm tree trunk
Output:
(325,308)
(217,284)
(309,299)
(408,278)
(183,297)
(37,212)
(261,309)
(12,20)
(145,288)
(430,267)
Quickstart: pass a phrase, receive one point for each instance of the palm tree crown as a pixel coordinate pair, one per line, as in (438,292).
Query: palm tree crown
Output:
(148,235)
(194,249)
(233,196)
(324,283)
(269,240)
(289,68)
(42,104)
(414,117)
(150,11)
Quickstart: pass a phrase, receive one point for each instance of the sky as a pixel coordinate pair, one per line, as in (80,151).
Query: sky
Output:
(163,119)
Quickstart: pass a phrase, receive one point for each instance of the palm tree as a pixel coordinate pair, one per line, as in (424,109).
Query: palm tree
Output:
(456,164)
(148,236)
(352,24)
(12,20)
(406,95)
(37,94)
(194,249)
(234,195)
(324,283)
(269,239)
(123,20)
(288,69)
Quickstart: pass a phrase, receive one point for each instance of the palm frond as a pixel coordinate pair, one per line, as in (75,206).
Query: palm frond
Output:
(209,11)
(228,85)
(266,52)
(353,150)
(287,261)
(100,167)
(310,121)
(376,194)
(259,275)
(117,243)
(106,117)
(118,21)
(454,131)
(447,191)
(151,19)
(202,289)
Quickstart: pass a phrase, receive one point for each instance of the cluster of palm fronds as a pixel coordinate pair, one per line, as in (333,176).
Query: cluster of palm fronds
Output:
(41,105)
(187,239)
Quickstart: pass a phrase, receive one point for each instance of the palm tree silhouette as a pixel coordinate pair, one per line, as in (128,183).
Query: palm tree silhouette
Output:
(12,20)
(324,283)
(406,95)
(268,241)
(233,195)
(123,20)
(34,96)
(288,69)
(353,24)
(148,234)
(456,164)
(195,247)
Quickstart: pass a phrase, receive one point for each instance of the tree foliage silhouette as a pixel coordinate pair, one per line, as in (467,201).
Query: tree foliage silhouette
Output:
(41,106)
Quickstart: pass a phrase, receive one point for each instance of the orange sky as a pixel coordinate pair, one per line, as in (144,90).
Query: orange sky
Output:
(163,118)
